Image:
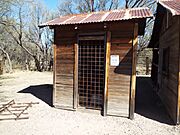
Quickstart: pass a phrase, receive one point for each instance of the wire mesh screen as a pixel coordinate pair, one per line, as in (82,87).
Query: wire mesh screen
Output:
(91,73)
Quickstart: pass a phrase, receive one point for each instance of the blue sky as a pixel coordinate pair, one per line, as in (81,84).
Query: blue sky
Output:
(51,4)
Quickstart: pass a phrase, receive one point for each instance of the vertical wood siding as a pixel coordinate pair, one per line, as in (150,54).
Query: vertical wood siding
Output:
(120,76)
(169,82)
(178,113)
(64,69)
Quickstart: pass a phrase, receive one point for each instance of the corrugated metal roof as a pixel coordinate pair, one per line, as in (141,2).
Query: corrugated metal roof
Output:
(172,5)
(105,16)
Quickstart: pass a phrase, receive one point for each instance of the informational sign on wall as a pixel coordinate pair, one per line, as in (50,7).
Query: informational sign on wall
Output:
(114,60)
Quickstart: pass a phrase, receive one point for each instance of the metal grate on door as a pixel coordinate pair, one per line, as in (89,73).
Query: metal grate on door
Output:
(91,73)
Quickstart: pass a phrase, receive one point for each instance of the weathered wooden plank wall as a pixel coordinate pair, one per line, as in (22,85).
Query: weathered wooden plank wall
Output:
(168,82)
(120,76)
(64,69)
(178,113)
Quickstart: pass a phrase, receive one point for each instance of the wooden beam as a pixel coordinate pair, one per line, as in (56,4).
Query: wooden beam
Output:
(91,38)
(108,47)
(133,77)
(75,76)
(121,41)
(54,75)
(178,103)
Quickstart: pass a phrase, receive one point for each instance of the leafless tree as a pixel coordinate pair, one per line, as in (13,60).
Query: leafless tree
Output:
(151,4)
(4,11)
(9,69)
(25,32)
(41,38)
(139,3)
(86,6)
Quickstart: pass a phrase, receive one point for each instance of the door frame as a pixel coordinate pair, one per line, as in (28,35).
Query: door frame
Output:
(106,57)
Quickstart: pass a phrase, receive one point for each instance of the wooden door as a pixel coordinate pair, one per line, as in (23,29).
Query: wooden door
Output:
(91,72)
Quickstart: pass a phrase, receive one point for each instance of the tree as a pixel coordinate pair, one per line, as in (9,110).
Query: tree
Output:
(25,32)
(139,3)
(4,11)
(41,38)
(151,4)
(5,7)
(15,27)
(86,6)
(9,69)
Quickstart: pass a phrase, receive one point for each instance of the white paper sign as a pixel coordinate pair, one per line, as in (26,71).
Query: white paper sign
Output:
(114,60)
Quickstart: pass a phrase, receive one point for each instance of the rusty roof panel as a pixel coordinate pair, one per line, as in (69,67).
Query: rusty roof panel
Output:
(95,17)
(76,19)
(136,13)
(116,15)
(172,5)
(58,21)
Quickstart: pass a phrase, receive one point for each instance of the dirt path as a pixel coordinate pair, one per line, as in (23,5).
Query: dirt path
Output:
(46,120)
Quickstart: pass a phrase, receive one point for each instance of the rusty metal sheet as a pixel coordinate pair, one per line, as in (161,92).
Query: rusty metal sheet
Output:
(172,5)
(115,15)
(103,16)
(95,17)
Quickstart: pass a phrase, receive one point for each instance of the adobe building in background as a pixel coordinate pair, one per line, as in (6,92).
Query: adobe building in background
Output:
(165,42)
(95,60)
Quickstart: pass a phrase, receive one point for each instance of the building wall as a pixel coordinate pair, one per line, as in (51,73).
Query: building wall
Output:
(154,68)
(119,81)
(168,81)
(64,69)
(178,113)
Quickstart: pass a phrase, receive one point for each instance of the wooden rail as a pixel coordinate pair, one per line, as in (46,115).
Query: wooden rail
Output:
(14,111)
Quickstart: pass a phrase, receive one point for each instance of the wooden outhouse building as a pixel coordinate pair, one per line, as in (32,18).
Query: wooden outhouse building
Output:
(95,60)
(165,42)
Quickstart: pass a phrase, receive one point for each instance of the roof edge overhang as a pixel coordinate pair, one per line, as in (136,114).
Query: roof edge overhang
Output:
(141,24)
(131,19)
(138,14)
(161,9)
(174,12)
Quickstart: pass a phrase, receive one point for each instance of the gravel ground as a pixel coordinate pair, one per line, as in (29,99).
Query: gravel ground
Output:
(46,120)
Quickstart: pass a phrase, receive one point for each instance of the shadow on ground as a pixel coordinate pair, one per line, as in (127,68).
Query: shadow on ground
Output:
(43,92)
(148,103)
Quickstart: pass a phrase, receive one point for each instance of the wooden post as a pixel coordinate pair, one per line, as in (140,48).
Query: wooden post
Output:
(75,101)
(178,103)
(27,66)
(1,67)
(54,75)
(147,65)
(133,78)
(108,47)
